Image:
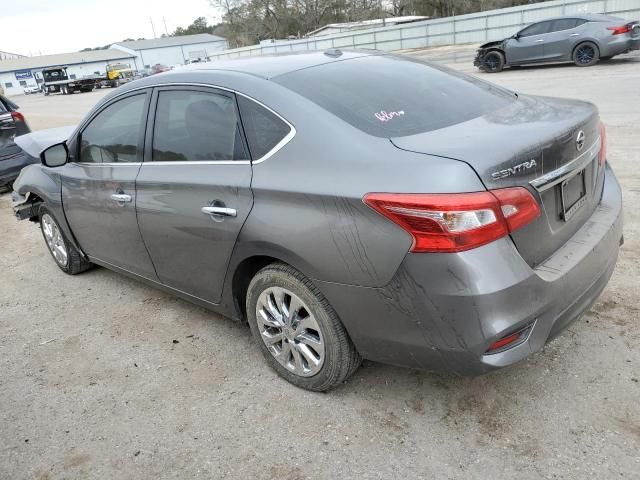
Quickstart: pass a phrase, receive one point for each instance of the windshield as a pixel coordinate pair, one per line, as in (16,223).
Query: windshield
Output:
(390,96)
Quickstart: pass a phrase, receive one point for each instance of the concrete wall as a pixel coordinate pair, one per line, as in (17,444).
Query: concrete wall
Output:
(471,28)
(79,70)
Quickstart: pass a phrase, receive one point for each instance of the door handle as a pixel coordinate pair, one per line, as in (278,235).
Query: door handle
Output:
(541,40)
(574,34)
(121,197)
(224,211)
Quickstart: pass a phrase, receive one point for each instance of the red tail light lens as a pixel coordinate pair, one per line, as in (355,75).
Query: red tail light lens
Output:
(459,221)
(620,30)
(602,156)
(17,117)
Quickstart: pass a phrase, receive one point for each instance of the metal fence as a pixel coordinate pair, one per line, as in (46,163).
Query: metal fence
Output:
(471,28)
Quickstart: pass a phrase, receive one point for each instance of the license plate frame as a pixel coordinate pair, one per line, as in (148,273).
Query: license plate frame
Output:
(572,201)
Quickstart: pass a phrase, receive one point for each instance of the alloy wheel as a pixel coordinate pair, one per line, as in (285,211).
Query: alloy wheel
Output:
(54,240)
(585,54)
(290,331)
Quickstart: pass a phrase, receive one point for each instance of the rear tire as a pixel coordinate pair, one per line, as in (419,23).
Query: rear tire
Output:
(288,316)
(66,256)
(586,54)
(493,62)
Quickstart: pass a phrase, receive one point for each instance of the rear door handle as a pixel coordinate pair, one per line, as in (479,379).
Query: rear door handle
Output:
(227,212)
(121,197)
(574,34)
(541,40)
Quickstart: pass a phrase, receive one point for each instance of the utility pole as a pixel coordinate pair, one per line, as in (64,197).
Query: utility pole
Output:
(165,26)
(152,27)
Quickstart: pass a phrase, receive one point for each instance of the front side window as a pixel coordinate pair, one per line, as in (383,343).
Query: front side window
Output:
(535,29)
(264,129)
(114,134)
(192,125)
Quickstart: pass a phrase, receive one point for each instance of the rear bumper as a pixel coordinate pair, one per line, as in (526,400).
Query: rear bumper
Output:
(442,311)
(621,44)
(10,167)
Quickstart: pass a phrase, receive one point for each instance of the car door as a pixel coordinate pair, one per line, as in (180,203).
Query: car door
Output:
(528,45)
(563,35)
(194,188)
(7,131)
(98,184)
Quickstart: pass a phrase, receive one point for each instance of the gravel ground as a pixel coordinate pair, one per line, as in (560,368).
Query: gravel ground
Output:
(103,377)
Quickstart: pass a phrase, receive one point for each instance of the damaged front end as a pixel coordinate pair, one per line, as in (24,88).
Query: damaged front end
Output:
(26,207)
(486,48)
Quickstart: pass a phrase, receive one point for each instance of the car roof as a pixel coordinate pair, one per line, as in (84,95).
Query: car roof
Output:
(270,66)
(591,17)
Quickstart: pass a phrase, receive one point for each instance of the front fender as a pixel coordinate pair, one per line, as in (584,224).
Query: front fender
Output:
(44,183)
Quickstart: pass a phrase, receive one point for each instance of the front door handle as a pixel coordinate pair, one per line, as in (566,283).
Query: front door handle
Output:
(121,197)
(227,212)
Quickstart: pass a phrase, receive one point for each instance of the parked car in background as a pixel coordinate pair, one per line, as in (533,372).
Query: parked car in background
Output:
(581,39)
(346,204)
(12,158)
(31,89)
(159,68)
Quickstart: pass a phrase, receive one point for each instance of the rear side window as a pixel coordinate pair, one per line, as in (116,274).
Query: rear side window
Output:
(563,24)
(264,129)
(536,29)
(193,125)
(389,96)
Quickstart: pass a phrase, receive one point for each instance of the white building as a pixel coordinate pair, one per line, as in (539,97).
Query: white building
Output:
(19,73)
(9,55)
(351,26)
(172,50)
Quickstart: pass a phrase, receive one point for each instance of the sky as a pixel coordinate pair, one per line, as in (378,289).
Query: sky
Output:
(41,27)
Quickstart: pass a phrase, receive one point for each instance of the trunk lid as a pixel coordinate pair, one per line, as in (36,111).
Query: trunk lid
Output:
(532,142)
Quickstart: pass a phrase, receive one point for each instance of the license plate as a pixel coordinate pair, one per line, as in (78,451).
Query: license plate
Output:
(573,195)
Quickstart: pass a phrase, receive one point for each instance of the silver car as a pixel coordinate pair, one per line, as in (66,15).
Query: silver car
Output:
(345,204)
(581,39)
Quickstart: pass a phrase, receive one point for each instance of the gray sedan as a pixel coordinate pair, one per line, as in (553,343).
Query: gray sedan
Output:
(581,39)
(347,205)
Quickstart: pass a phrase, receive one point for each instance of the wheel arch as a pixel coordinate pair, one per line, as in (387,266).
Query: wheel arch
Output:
(582,42)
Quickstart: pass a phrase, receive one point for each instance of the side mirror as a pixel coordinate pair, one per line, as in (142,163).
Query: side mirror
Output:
(55,156)
(516,36)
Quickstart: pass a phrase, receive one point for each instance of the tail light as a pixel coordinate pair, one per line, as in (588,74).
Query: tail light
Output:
(620,30)
(602,156)
(459,221)
(17,117)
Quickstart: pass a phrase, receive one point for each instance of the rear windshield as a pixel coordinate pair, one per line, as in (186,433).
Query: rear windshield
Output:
(390,96)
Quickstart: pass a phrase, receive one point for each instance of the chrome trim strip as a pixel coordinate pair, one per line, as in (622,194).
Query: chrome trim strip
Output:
(270,153)
(106,164)
(558,175)
(200,162)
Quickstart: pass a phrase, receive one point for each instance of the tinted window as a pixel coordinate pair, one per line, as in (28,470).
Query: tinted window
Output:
(535,29)
(264,129)
(389,96)
(563,24)
(114,134)
(195,125)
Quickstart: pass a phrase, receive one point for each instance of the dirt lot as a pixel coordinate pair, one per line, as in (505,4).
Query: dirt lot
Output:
(102,377)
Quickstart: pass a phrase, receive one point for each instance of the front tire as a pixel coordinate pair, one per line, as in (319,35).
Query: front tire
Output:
(586,54)
(66,256)
(493,62)
(298,332)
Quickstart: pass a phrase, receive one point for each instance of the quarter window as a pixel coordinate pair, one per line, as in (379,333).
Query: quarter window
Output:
(192,125)
(114,134)
(264,129)
(535,29)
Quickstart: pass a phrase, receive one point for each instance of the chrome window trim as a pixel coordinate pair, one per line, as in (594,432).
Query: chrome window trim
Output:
(560,174)
(287,138)
(106,164)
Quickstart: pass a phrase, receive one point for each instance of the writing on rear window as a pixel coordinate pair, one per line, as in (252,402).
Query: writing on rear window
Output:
(384,116)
